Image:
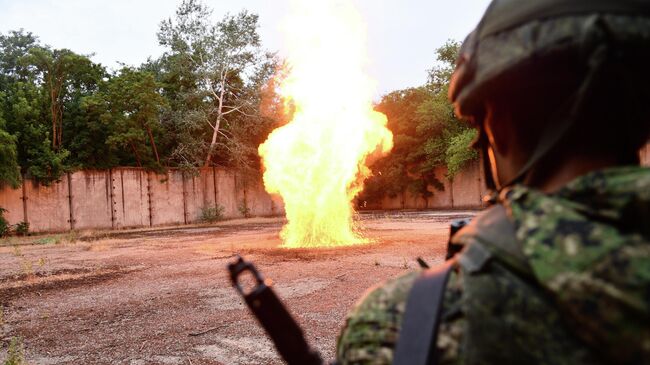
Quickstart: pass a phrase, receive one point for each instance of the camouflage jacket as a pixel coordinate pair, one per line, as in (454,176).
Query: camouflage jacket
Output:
(544,279)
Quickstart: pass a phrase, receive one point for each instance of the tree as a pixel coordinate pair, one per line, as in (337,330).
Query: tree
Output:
(9,169)
(427,135)
(23,106)
(448,138)
(58,68)
(220,67)
(129,107)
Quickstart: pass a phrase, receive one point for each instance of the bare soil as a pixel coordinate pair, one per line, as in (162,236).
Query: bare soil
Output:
(163,296)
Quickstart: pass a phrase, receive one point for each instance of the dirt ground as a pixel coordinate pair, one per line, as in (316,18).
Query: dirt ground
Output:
(163,297)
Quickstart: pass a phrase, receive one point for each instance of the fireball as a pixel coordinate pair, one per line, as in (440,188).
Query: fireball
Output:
(317,162)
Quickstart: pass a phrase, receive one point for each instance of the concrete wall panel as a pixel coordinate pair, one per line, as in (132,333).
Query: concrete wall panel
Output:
(415,201)
(91,199)
(467,187)
(167,205)
(393,203)
(12,201)
(48,207)
(258,200)
(278,205)
(141,199)
(227,193)
(200,193)
(131,200)
(441,199)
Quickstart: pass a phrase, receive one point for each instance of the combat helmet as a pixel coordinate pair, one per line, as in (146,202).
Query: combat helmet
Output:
(517,39)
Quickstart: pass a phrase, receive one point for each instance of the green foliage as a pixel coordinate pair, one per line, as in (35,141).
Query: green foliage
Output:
(244,210)
(459,153)
(22,228)
(4,225)
(213,75)
(61,73)
(209,100)
(25,106)
(199,104)
(133,103)
(212,214)
(426,133)
(15,352)
(9,168)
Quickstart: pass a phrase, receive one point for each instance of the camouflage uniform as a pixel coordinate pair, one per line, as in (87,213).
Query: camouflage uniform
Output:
(550,279)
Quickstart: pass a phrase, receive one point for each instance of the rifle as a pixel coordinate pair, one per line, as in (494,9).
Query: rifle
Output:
(454,248)
(273,316)
(271,313)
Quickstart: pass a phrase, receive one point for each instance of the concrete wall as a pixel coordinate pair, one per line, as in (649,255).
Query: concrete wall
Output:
(167,200)
(200,192)
(467,187)
(48,207)
(12,201)
(131,197)
(130,189)
(227,192)
(464,192)
(91,199)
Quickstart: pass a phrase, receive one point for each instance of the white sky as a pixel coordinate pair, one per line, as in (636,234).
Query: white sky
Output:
(402,34)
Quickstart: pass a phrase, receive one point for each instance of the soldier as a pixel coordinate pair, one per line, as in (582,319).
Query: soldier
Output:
(558,270)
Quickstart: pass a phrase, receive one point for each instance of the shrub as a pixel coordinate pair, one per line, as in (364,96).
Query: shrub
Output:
(22,229)
(459,152)
(15,352)
(244,209)
(4,225)
(212,214)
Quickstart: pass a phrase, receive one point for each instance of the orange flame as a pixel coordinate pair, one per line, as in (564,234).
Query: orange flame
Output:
(317,161)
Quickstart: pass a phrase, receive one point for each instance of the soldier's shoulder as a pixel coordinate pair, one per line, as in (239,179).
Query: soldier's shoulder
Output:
(372,327)
(491,232)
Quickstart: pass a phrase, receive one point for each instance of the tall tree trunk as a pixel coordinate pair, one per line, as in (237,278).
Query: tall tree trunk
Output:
(213,142)
(153,143)
(54,113)
(59,106)
(135,153)
(215,130)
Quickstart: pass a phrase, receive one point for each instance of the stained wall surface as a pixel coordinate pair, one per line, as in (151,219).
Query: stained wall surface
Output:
(132,197)
(12,201)
(91,199)
(48,207)
(130,188)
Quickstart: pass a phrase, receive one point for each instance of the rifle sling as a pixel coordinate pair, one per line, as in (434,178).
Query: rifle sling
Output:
(417,337)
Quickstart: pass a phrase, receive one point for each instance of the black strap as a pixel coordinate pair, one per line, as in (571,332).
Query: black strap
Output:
(417,337)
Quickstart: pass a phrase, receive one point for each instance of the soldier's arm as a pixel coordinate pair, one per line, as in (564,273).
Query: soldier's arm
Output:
(372,328)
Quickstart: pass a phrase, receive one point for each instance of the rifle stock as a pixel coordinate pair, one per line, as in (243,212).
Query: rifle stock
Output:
(274,317)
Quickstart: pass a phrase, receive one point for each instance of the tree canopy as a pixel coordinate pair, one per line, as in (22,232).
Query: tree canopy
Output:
(427,135)
(208,100)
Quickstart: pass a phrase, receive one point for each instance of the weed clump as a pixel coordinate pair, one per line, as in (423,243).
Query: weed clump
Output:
(4,225)
(15,352)
(212,214)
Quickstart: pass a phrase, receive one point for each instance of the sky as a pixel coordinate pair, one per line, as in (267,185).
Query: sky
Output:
(402,34)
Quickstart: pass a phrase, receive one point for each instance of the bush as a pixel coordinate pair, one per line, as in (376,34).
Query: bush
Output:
(212,214)
(22,229)
(459,152)
(4,225)
(244,209)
